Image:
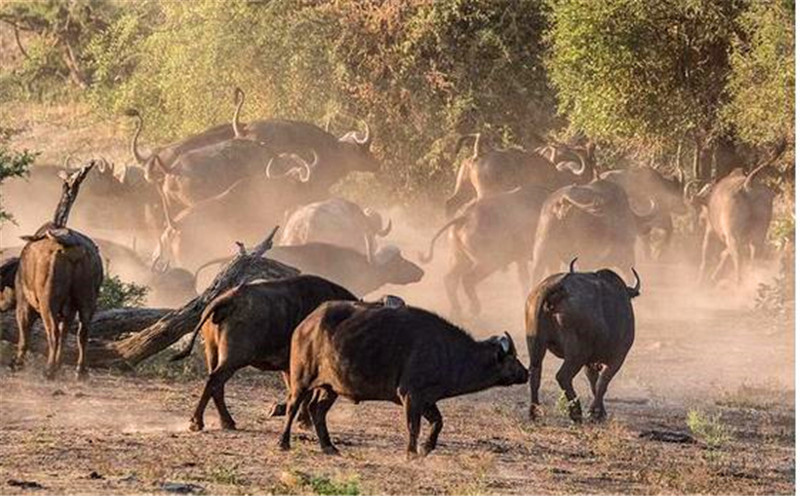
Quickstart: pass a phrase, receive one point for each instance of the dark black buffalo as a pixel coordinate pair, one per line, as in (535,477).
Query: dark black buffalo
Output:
(405,355)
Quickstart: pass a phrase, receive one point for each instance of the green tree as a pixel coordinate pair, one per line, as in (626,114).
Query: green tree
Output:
(642,74)
(12,164)
(761,85)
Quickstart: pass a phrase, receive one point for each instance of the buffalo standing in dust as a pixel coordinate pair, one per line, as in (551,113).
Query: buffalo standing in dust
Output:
(404,355)
(489,172)
(737,212)
(59,275)
(594,222)
(252,324)
(8,274)
(585,318)
(489,234)
(345,266)
(335,221)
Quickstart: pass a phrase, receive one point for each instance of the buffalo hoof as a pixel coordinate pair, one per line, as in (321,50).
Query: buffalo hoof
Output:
(82,375)
(284,445)
(228,425)
(330,450)
(575,412)
(195,426)
(426,449)
(535,412)
(597,416)
(16,365)
(277,410)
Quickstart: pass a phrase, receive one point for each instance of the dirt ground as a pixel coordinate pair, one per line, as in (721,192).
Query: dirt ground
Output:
(709,355)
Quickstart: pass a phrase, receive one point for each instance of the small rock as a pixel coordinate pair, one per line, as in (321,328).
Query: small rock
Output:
(58,392)
(129,478)
(24,484)
(182,488)
(79,395)
(667,436)
(95,476)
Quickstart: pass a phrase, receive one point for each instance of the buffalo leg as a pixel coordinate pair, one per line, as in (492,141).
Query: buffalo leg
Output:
(723,259)
(63,327)
(279,409)
(536,350)
(323,402)
(413,413)
(569,369)
(25,315)
(597,410)
(296,399)
(470,280)
(524,277)
(451,282)
(218,394)
(434,417)
(704,254)
(51,330)
(84,320)
(591,374)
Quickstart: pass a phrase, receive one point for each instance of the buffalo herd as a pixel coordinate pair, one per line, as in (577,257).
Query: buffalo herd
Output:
(539,209)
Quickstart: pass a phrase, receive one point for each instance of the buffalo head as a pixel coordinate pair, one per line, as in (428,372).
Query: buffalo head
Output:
(395,268)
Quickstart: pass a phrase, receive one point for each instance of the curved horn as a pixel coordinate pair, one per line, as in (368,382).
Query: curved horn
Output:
(327,124)
(777,153)
(269,166)
(572,265)
(140,159)
(238,98)
(102,165)
(512,350)
(367,139)
(579,172)
(67,161)
(634,291)
(649,212)
(385,231)
(689,185)
(369,249)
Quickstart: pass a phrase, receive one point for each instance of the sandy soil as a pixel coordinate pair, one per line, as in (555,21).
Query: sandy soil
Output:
(118,434)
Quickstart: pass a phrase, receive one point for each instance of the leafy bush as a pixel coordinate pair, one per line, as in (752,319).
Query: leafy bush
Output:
(709,429)
(114,293)
(12,164)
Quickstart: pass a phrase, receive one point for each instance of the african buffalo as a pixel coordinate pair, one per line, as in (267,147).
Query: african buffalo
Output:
(585,318)
(252,324)
(491,171)
(337,156)
(404,355)
(172,287)
(594,222)
(335,221)
(644,185)
(737,212)
(346,266)
(59,275)
(489,234)
(208,228)
(8,274)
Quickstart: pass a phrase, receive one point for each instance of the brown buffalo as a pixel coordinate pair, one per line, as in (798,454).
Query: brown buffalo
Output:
(252,324)
(586,319)
(59,275)
(737,212)
(644,185)
(491,171)
(405,355)
(346,266)
(337,156)
(488,235)
(594,222)
(8,274)
(240,213)
(335,221)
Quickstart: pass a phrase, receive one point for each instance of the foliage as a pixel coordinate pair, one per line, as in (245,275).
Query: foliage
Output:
(115,293)
(326,486)
(12,164)
(634,72)
(708,428)
(417,71)
(761,83)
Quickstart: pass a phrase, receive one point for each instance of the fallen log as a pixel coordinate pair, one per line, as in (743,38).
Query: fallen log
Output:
(116,342)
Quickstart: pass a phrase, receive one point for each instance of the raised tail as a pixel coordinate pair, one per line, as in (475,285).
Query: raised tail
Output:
(425,258)
(207,312)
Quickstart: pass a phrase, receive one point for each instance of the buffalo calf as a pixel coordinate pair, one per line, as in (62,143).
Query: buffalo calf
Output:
(585,318)
(401,354)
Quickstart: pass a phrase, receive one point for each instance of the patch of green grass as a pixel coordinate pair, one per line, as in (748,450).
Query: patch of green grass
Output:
(226,475)
(709,429)
(325,485)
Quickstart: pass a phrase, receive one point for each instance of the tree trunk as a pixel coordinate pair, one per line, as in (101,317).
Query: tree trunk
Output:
(153,329)
(696,163)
